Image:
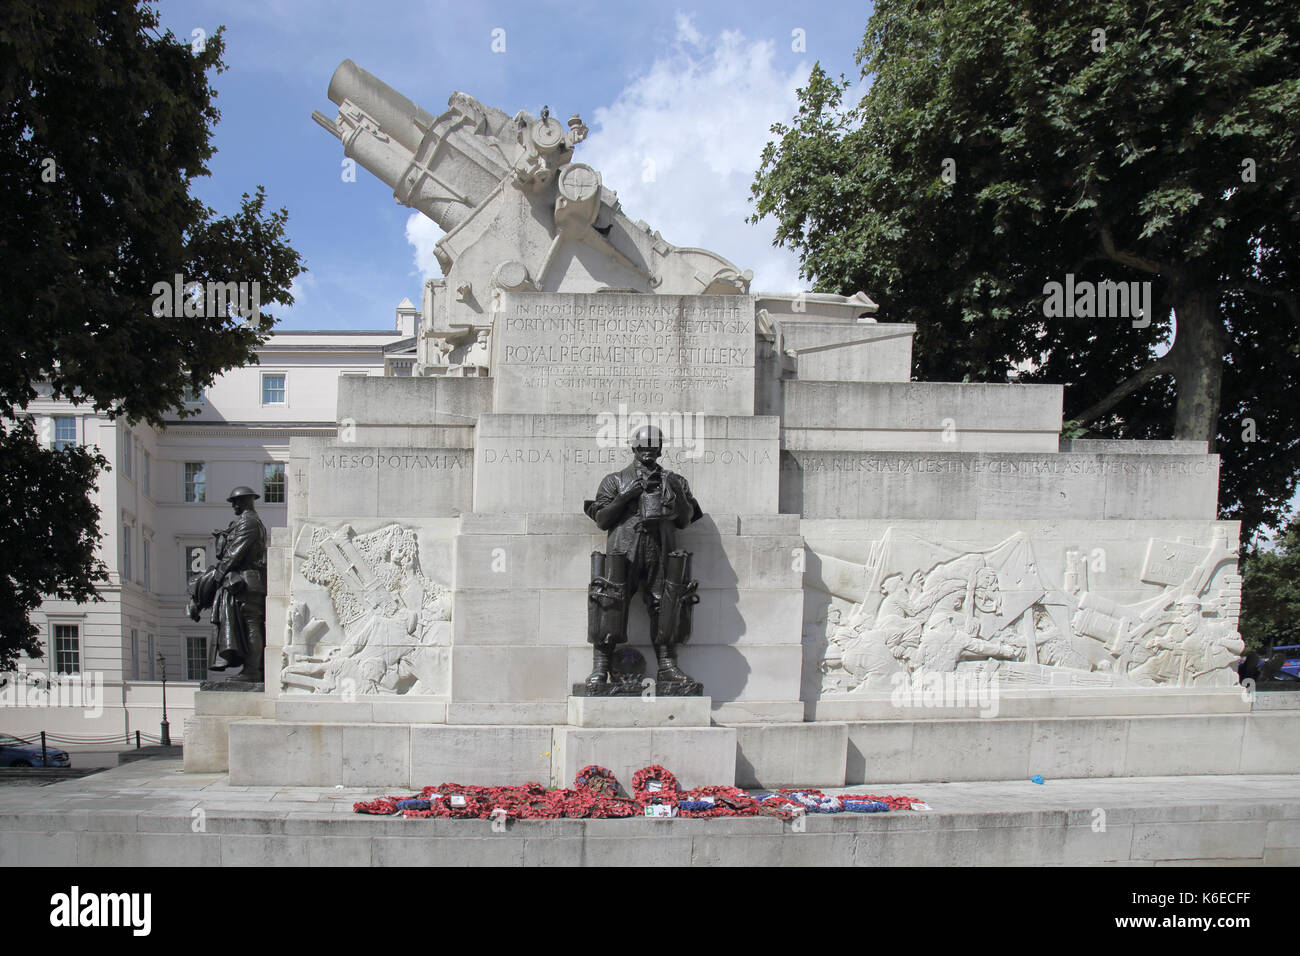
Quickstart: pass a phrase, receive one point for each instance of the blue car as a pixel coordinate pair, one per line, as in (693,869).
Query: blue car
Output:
(1290,658)
(19,753)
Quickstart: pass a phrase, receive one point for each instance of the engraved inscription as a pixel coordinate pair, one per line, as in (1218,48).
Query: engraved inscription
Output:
(391,461)
(583,351)
(939,464)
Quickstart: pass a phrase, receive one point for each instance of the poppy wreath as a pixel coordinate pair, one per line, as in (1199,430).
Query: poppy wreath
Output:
(595,795)
(721,802)
(384,806)
(668,785)
(596,779)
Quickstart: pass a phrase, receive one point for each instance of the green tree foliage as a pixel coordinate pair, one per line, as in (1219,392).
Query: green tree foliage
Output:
(1270,592)
(104,126)
(1003,144)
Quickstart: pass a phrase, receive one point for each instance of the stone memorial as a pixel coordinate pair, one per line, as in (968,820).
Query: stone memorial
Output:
(882,562)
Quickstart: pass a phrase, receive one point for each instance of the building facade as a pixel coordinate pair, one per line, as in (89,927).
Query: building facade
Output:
(160,500)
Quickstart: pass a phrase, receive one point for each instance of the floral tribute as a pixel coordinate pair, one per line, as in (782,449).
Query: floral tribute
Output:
(596,792)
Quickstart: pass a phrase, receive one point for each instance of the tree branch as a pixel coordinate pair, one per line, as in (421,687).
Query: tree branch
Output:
(1130,259)
(1258,288)
(1160,366)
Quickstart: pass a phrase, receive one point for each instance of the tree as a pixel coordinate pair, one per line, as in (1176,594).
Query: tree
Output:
(105,124)
(1270,592)
(1002,146)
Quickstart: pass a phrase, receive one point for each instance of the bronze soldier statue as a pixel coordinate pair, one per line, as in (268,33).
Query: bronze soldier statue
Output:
(235,589)
(642,507)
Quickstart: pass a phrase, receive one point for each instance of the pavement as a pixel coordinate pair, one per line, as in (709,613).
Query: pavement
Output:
(151,812)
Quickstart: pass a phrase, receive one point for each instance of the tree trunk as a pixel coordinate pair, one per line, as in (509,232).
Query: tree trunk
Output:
(1197,355)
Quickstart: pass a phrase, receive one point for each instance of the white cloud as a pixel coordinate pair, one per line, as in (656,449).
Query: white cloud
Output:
(423,234)
(686,32)
(680,144)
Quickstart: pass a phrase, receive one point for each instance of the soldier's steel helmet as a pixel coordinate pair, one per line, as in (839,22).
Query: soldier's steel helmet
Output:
(243,491)
(647,436)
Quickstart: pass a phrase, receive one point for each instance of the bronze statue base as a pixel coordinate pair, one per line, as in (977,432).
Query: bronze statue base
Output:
(237,686)
(637,686)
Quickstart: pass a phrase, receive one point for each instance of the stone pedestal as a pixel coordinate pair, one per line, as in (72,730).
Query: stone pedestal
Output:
(411,756)
(207,732)
(639,711)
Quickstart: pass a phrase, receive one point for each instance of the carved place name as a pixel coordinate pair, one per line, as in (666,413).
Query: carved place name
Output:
(391,461)
(1037,466)
(576,456)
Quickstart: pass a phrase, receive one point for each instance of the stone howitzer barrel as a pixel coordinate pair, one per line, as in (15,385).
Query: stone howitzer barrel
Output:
(443,166)
(543,221)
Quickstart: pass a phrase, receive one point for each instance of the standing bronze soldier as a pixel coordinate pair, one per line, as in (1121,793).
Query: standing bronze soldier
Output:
(235,589)
(641,507)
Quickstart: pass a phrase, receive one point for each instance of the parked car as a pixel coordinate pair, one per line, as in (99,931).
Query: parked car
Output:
(19,753)
(1290,659)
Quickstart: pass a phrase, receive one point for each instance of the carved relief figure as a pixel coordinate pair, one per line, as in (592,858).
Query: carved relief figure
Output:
(956,612)
(393,617)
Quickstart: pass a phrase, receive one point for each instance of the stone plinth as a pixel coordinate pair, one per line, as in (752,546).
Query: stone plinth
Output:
(294,753)
(206,734)
(639,711)
(697,756)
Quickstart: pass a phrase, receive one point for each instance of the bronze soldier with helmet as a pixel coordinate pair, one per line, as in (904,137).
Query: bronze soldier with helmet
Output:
(235,589)
(642,506)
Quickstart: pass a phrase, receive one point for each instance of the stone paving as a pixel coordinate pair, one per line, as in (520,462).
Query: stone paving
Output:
(151,812)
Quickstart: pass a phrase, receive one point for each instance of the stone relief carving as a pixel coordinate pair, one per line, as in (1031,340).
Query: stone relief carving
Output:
(928,608)
(393,621)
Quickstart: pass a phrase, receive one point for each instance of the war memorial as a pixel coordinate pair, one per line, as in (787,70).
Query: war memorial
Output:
(630,512)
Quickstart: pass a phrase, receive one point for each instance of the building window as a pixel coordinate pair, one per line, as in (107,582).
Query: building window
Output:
(196,560)
(273,483)
(127,446)
(65,433)
(273,389)
(67,648)
(126,553)
(144,473)
(135,654)
(152,660)
(144,560)
(193,396)
(196,482)
(196,658)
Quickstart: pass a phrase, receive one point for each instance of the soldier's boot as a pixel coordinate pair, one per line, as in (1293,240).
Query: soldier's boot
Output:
(251,672)
(601,666)
(668,669)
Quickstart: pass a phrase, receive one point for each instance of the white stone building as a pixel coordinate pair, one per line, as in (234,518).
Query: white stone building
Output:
(159,503)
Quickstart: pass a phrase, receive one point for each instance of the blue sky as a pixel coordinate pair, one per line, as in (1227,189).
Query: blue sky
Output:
(679,99)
